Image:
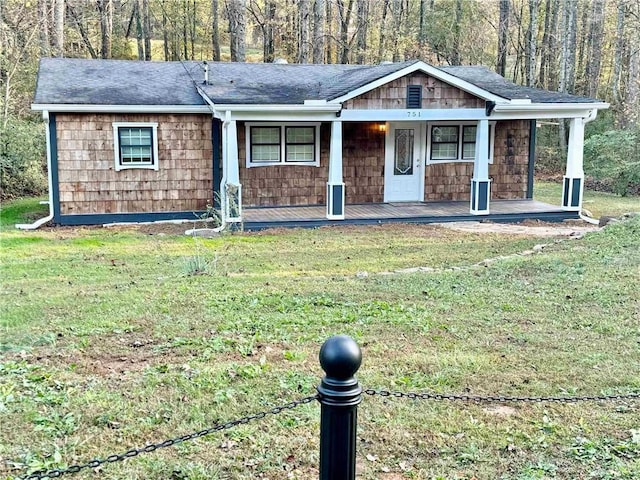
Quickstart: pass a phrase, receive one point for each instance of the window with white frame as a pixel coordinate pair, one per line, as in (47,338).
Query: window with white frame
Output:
(135,145)
(450,142)
(283,144)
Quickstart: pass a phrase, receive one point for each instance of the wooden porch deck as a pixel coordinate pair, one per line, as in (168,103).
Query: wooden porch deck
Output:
(256,218)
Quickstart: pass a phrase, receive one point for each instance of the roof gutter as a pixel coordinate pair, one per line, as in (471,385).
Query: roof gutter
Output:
(48,218)
(548,107)
(82,108)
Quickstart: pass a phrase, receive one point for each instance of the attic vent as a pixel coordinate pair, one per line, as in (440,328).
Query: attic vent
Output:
(414,96)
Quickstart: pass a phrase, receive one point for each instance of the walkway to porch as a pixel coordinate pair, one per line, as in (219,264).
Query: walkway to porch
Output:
(256,218)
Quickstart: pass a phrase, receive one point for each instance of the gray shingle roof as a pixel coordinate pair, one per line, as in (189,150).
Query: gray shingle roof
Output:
(114,82)
(126,82)
(492,82)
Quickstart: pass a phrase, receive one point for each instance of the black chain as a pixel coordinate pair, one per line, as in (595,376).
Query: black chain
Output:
(55,473)
(499,398)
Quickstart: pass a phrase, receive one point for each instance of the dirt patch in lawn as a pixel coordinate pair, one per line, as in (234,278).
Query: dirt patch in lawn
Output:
(531,228)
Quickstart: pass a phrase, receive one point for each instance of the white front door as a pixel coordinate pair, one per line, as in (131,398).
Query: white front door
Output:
(404,161)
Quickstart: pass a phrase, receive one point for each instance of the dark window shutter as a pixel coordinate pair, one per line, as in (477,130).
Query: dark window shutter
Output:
(414,96)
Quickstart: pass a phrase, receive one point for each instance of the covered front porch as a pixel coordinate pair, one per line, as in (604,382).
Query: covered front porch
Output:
(258,218)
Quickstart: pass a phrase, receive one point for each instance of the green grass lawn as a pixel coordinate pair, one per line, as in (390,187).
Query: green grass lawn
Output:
(108,342)
(597,203)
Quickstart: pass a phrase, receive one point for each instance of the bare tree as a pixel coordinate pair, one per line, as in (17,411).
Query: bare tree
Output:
(362,17)
(318,31)
(215,31)
(345,18)
(146,29)
(503,31)
(237,26)
(455,54)
(596,28)
(532,42)
(105,12)
(82,30)
(58,44)
(43,20)
(385,9)
(303,29)
(398,11)
(619,50)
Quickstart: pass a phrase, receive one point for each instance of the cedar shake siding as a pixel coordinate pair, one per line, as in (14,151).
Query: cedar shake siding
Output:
(452,181)
(286,185)
(510,167)
(435,94)
(363,162)
(89,182)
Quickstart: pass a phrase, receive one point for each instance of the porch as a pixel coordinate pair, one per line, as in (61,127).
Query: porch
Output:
(258,218)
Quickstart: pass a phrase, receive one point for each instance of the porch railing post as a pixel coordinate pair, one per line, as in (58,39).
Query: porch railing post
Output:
(339,396)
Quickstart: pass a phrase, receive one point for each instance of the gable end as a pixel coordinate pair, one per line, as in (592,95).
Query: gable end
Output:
(434,94)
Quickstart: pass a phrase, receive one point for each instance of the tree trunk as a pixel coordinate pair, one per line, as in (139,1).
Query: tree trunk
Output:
(303,28)
(146,29)
(58,45)
(619,50)
(397,10)
(568,59)
(503,30)
(632,101)
(422,26)
(43,20)
(362,11)
(105,10)
(385,9)
(165,33)
(345,19)
(455,57)
(269,48)
(582,48)
(237,24)
(82,30)
(545,47)
(329,31)
(596,28)
(215,31)
(532,42)
(139,43)
(318,31)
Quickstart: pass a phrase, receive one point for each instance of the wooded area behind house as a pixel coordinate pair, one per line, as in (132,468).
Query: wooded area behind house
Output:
(584,47)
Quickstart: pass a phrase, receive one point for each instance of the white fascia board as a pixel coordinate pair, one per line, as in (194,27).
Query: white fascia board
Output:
(85,108)
(282,116)
(549,110)
(306,108)
(413,114)
(431,71)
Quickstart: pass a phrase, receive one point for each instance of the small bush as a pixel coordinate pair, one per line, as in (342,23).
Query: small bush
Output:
(614,157)
(22,159)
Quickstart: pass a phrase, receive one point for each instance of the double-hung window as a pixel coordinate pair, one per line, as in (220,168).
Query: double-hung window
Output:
(455,143)
(135,145)
(288,144)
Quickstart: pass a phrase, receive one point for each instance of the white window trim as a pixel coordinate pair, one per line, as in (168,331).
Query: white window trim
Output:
(283,145)
(460,140)
(116,146)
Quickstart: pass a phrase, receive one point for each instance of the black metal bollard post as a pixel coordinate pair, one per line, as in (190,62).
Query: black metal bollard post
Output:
(339,395)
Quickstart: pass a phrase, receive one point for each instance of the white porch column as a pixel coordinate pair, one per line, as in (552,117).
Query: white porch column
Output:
(335,185)
(574,177)
(231,188)
(480,183)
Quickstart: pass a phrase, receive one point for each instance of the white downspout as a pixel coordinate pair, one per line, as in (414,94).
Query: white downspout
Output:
(48,218)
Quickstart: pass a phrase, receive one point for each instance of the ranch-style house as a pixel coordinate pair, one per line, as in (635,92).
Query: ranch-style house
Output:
(304,145)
